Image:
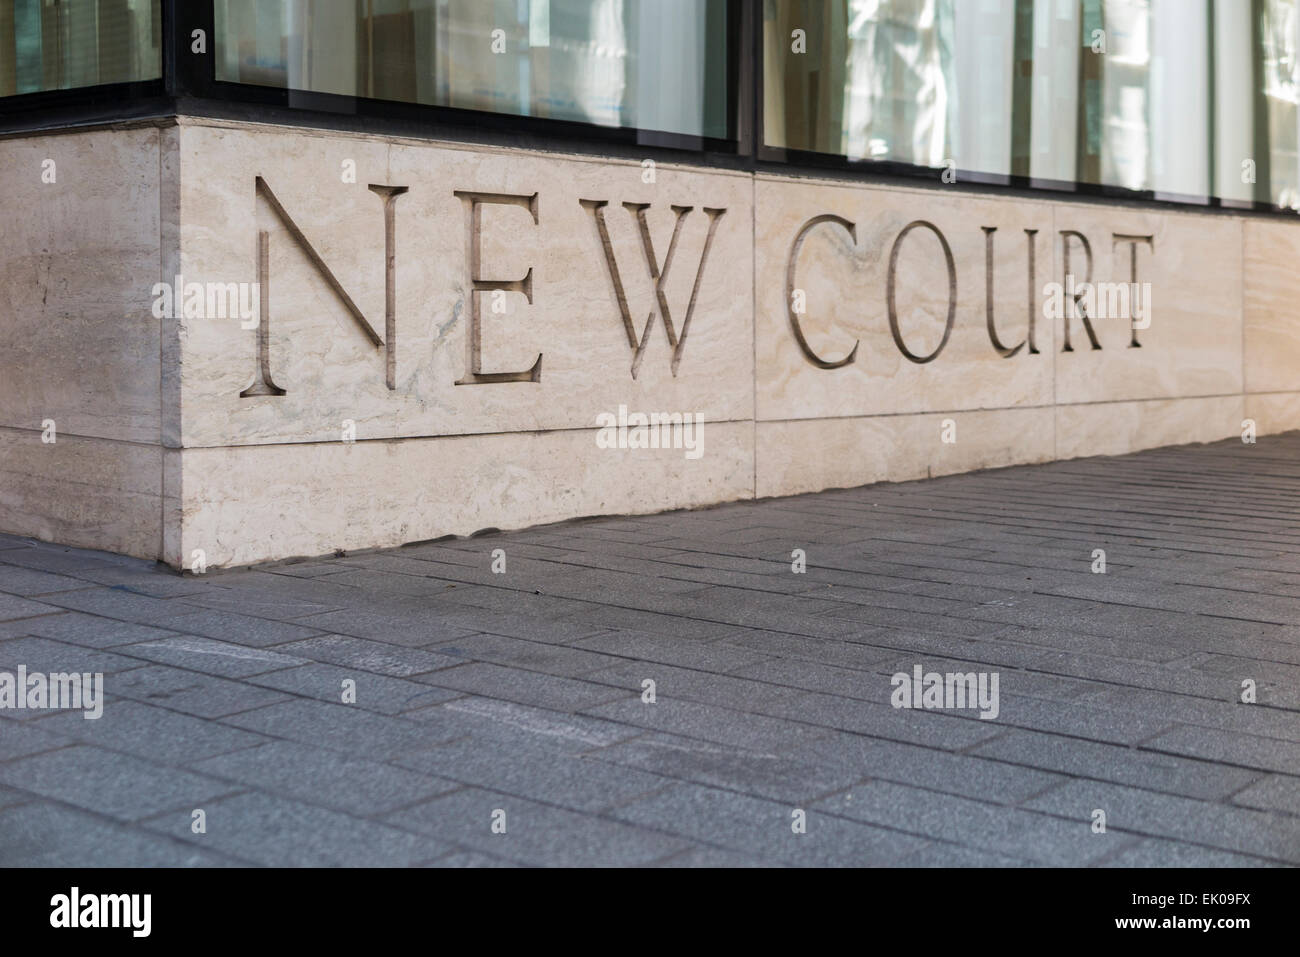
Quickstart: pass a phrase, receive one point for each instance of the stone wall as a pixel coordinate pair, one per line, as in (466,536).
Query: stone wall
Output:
(439,333)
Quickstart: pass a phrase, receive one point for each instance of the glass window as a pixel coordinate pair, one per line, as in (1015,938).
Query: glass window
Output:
(1185,99)
(648,64)
(63,44)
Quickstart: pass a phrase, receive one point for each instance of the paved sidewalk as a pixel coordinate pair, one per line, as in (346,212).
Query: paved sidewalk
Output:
(478,693)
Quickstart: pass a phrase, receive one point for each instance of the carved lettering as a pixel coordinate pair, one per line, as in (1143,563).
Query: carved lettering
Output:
(1002,350)
(790,265)
(474,216)
(657,275)
(1066,235)
(389,196)
(1133,241)
(889,291)
(262,383)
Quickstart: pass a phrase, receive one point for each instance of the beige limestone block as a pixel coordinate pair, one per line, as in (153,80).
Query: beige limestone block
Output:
(804,455)
(258,503)
(78,341)
(1116,428)
(334,372)
(844,279)
(1273,411)
(1193,344)
(1272,306)
(86,492)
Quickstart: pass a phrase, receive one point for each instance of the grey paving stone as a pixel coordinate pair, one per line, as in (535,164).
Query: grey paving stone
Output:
(710,857)
(16,580)
(938,854)
(201,695)
(105,782)
(91,631)
(1002,830)
(261,601)
(533,727)
(525,687)
(12,608)
(741,694)
(210,656)
(549,658)
(276,831)
(155,580)
(117,602)
(469,859)
(545,625)
(643,646)
(552,777)
(1277,792)
(1225,713)
(860,654)
(377,582)
(673,626)
(764,828)
(373,692)
(243,629)
(1152,852)
(49,656)
(534,833)
(150,732)
(1118,764)
(66,560)
(964,774)
(11,798)
(1264,834)
(376,657)
(703,722)
(316,776)
(412,627)
(949,730)
(853,683)
(51,835)
(21,738)
(345,728)
(776,777)
(1268,754)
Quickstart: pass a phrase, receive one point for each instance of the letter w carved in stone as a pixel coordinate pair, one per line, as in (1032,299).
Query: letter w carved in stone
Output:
(657,275)
(263,384)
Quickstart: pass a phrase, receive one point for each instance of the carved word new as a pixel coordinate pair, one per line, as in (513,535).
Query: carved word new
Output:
(264,383)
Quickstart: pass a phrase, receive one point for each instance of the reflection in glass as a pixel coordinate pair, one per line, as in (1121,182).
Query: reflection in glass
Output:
(1276,129)
(1185,99)
(650,64)
(63,44)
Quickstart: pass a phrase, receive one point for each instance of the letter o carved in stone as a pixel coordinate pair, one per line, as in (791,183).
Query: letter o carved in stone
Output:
(952,291)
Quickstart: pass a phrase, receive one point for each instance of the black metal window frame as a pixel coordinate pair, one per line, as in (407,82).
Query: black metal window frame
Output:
(188,87)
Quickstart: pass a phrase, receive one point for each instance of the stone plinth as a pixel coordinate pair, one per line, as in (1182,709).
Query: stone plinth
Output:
(226,343)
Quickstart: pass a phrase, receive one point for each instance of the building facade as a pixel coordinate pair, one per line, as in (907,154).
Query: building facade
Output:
(281,279)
